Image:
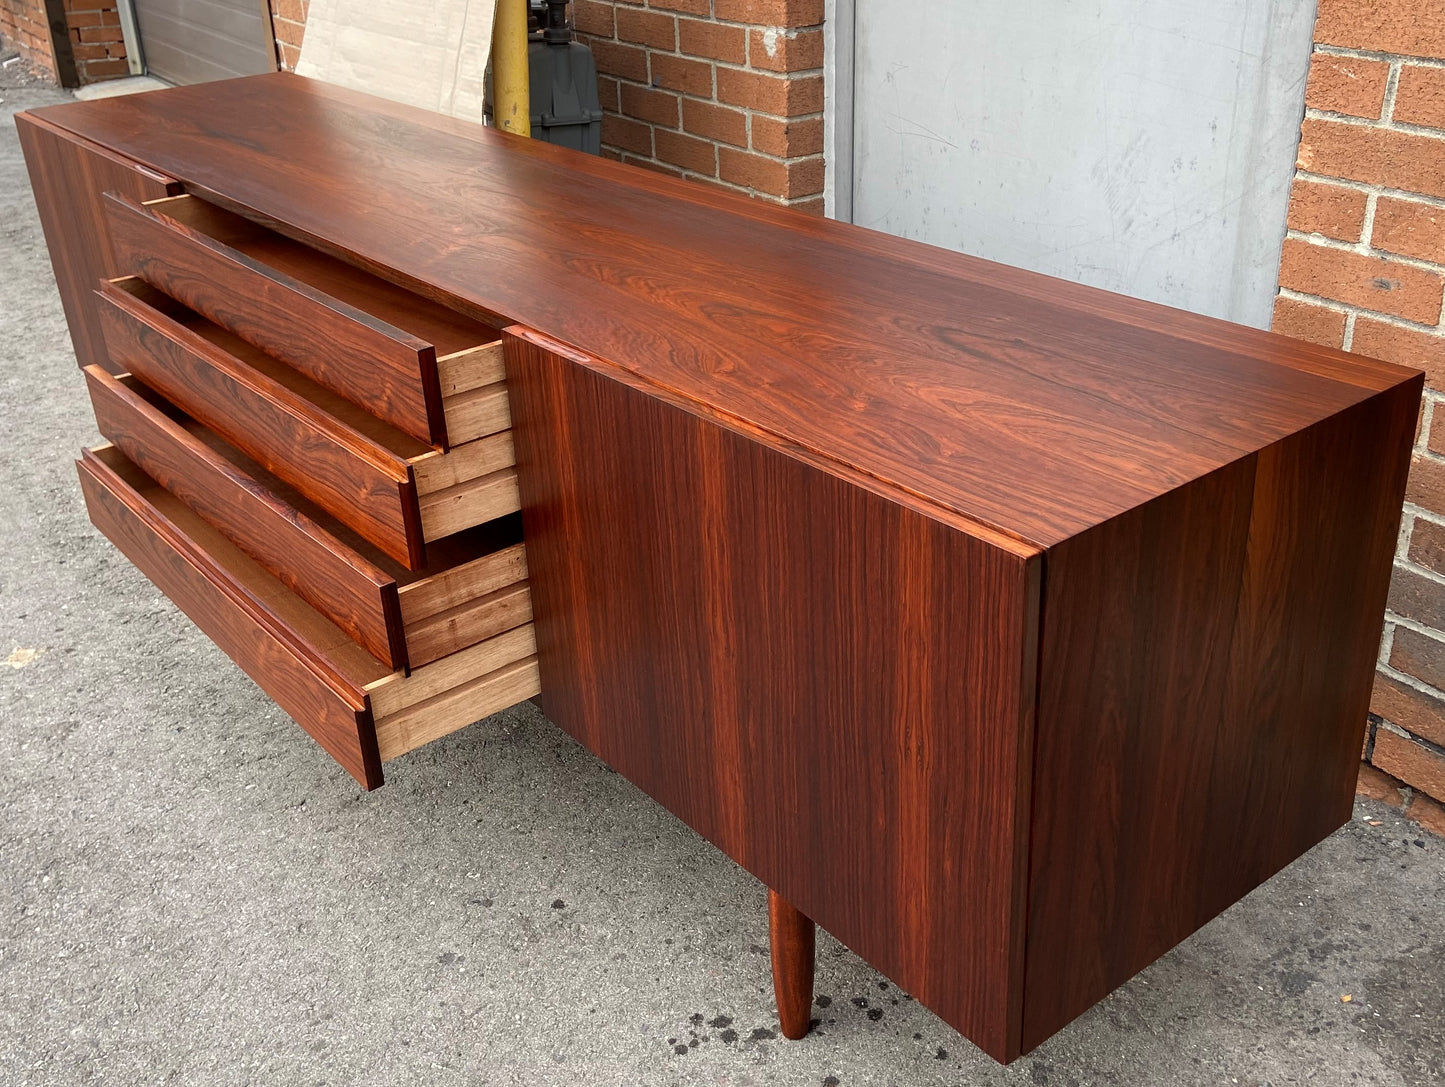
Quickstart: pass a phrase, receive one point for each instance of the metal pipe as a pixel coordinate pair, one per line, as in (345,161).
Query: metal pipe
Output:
(511,90)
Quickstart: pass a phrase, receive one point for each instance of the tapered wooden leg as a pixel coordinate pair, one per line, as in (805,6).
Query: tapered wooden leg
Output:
(791,934)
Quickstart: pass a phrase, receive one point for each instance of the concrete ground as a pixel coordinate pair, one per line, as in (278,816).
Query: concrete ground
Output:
(191,892)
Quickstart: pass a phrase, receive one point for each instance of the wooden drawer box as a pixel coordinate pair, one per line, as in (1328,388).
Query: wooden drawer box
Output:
(425,369)
(362,712)
(393,489)
(475,587)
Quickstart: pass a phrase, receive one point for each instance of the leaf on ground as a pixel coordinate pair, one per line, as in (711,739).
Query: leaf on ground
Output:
(20,657)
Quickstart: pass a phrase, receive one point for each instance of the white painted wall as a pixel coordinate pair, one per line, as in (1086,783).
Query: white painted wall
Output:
(1143,146)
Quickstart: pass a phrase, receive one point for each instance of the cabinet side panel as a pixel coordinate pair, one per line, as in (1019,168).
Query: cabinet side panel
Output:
(68,176)
(830,688)
(1206,663)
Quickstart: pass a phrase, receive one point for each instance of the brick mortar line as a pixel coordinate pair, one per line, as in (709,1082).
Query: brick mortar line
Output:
(1419,628)
(1312,114)
(1364,248)
(1392,87)
(1401,730)
(1375,54)
(1407,563)
(1349,309)
(1372,187)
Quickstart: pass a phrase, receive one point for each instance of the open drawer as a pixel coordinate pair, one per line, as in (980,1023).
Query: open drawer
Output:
(425,369)
(390,487)
(474,587)
(360,711)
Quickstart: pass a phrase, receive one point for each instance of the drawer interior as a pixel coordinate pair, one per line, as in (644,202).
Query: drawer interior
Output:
(474,583)
(471,483)
(408,709)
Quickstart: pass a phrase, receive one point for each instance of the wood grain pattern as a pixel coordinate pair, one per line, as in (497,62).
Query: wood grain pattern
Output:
(917,369)
(475,413)
(394,693)
(1205,675)
(321,700)
(436,636)
(391,372)
(68,176)
(791,936)
(463,583)
(438,471)
(341,584)
(469,503)
(834,690)
(359,482)
(410,728)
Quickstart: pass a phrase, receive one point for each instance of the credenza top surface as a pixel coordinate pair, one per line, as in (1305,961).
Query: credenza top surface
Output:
(1031,406)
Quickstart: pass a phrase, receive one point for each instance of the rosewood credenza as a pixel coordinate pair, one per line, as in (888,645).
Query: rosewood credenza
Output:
(1008,628)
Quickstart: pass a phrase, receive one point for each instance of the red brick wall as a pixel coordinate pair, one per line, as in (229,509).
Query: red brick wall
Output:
(288,23)
(88,47)
(1363,268)
(724,91)
(96,41)
(24,27)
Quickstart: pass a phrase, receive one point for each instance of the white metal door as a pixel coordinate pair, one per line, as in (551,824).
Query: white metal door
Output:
(1143,146)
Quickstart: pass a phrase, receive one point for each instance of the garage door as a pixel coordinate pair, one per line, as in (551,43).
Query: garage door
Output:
(195,41)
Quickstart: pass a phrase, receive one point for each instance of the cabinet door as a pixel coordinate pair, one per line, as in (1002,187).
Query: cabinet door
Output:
(68,175)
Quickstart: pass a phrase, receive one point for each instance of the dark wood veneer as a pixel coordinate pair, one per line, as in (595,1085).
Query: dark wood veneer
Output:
(342,585)
(391,372)
(834,690)
(921,369)
(327,705)
(355,479)
(68,176)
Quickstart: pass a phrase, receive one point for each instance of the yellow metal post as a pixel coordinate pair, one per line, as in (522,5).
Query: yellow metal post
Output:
(511,91)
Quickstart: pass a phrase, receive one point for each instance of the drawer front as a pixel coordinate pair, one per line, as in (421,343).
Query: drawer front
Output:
(391,373)
(359,482)
(341,584)
(335,711)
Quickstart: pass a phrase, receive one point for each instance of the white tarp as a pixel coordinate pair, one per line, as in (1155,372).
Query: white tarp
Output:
(428,54)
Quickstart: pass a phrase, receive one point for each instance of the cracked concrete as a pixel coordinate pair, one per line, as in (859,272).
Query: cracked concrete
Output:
(191,892)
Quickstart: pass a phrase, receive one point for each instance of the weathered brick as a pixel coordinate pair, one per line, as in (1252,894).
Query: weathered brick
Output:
(799,177)
(608,93)
(1417,597)
(785,50)
(703,38)
(1350,85)
(1426,485)
(593,17)
(98,33)
(813,206)
(288,32)
(627,134)
(1417,712)
(103,69)
(648,164)
(646,104)
(691,7)
(651,28)
(1409,227)
(681,74)
(1430,814)
(1414,763)
(787,139)
(1378,785)
(294,10)
(1374,283)
(1411,27)
(1420,96)
(1402,346)
(289,56)
(1336,211)
(1396,159)
(779,95)
(715,122)
(688,152)
(621,61)
(1308,321)
(83,18)
(786,13)
(1427,549)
